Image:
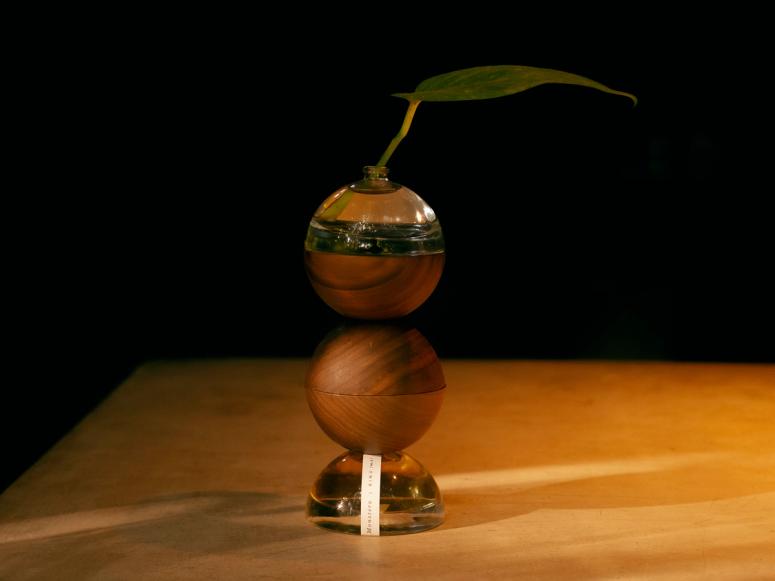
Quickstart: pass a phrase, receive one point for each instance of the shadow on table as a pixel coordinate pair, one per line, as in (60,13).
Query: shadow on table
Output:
(193,523)
(479,497)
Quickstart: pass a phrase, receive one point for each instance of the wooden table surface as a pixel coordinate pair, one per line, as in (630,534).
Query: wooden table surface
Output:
(550,470)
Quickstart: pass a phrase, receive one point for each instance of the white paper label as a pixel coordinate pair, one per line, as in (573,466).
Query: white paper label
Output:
(370,486)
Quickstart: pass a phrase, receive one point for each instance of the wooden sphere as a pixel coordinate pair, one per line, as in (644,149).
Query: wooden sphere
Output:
(375,388)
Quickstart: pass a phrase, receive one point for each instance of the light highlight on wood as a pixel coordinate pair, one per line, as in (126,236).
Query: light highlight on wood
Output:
(551,470)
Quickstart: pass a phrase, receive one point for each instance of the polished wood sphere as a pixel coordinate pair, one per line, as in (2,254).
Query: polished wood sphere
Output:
(373,287)
(375,388)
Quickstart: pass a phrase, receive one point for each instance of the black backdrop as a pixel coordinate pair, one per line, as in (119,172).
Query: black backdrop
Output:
(173,164)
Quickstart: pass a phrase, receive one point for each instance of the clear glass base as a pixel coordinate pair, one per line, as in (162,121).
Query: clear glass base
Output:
(410,500)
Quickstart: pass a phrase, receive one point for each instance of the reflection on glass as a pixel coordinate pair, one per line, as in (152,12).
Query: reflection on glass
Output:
(374,249)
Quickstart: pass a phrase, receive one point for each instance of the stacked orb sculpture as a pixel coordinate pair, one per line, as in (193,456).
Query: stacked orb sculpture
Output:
(375,251)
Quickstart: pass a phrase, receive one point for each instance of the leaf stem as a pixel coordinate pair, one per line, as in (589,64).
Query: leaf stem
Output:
(401,134)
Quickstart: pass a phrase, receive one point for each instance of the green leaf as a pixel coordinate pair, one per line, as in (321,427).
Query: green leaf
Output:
(496,81)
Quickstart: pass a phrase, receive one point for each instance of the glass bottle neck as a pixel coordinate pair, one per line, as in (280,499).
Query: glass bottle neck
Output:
(375,181)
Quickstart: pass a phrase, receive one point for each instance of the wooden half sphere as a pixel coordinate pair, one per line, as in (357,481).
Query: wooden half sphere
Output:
(373,287)
(375,388)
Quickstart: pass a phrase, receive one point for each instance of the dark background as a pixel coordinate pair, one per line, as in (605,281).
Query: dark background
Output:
(171,164)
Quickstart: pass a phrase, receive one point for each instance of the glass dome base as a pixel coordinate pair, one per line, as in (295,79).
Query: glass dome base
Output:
(410,500)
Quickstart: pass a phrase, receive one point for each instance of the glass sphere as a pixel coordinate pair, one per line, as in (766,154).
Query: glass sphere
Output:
(374,249)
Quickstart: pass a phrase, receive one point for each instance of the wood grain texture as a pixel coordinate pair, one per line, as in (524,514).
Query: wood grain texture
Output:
(375,360)
(375,424)
(375,388)
(373,287)
(549,470)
